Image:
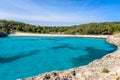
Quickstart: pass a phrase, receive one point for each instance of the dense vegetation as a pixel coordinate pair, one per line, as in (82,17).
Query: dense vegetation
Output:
(91,28)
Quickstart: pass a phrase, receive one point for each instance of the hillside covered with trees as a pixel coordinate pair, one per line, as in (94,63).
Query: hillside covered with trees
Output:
(90,28)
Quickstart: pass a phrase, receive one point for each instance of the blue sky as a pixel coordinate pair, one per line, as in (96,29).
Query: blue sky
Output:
(60,12)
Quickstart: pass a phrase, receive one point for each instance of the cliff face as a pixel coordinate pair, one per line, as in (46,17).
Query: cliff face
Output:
(106,68)
(114,39)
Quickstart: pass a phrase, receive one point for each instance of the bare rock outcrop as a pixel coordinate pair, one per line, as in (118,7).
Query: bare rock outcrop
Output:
(106,68)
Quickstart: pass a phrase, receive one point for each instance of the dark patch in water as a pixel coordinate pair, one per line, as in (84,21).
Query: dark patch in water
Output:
(113,46)
(64,46)
(92,54)
(22,55)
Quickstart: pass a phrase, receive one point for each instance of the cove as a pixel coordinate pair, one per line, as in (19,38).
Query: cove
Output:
(22,57)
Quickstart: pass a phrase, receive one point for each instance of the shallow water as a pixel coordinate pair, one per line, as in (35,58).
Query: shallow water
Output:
(22,57)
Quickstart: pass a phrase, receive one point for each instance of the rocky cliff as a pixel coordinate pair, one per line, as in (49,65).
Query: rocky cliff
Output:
(106,68)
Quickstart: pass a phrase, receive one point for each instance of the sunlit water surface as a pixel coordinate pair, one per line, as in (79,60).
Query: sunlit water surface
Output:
(22,57)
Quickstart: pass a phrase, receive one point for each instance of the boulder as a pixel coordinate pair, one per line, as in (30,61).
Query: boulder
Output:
(3,34)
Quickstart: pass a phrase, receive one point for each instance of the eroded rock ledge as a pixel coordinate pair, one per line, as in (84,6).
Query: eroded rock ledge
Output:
(106,68)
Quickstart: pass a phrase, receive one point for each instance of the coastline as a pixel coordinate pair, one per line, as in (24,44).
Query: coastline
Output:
(56,35)
(92,71)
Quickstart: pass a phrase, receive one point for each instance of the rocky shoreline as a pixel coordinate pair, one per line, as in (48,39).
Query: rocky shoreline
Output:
(106,68)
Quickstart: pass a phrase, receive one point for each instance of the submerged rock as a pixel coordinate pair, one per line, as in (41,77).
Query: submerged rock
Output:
(3,34)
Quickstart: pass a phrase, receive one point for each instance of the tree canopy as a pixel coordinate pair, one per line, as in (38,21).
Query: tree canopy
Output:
(90,28)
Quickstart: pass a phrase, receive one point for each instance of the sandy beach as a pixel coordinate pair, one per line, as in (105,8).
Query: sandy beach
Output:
(56,35)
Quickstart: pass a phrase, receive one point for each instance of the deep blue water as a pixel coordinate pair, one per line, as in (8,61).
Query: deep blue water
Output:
(22,57)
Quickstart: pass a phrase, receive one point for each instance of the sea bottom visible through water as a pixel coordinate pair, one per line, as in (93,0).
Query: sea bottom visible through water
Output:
(22,57)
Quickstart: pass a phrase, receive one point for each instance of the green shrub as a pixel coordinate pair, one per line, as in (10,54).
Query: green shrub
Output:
(117,32)
(118,78)
(105,70)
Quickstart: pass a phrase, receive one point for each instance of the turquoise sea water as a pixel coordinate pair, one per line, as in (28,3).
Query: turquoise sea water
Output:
(22,57)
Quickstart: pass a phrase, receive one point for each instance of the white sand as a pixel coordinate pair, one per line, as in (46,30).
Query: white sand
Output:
(56,35)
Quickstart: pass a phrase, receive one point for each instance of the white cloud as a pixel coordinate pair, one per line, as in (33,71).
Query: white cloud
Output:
(31,12)
(50,18)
